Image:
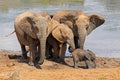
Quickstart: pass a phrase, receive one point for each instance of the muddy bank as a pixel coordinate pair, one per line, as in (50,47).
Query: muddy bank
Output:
(12,69)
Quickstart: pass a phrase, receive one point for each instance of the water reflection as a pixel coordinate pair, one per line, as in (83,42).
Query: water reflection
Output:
(104,41)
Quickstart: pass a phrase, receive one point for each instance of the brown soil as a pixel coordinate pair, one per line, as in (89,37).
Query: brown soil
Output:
(12,69)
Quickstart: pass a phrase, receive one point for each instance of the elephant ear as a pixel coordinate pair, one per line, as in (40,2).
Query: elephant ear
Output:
(52,25)
(95,21)
(90,55)
(57,34)
(31,20)
(39,20)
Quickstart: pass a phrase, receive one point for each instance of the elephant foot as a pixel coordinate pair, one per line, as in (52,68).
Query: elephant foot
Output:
(14,56)
(40,62)
(24,56)
(22,59)
(76,67)
(56,59)
(38,66)
(31,63)
(48,57)
(89,67)
(63,62)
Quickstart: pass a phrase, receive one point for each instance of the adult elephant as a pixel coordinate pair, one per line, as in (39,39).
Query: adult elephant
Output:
(81,24)
(58,40)
(32,30)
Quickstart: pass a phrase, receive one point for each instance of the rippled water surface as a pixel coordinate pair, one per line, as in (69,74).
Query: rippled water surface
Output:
(104,41)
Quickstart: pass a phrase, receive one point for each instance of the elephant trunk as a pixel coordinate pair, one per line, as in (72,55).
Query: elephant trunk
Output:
(82,35)
(94,64)
(71,44)
(42,50)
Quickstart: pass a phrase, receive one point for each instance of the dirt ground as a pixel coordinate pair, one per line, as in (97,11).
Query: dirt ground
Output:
(12,69)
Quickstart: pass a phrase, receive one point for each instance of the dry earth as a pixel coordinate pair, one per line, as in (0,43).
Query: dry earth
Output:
(12,69)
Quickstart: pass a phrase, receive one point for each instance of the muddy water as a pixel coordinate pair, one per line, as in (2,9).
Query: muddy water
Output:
(104,41)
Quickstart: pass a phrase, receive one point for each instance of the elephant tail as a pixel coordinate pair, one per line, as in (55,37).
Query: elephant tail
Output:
(10,34)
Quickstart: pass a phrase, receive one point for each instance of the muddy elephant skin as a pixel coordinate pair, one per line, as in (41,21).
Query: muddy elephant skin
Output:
(84,55)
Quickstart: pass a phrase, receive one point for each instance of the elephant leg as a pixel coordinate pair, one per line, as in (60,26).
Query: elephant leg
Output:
(37,56)
(94,64)
(33,53)
(88,65)
(30,60)
(24,53)
(62,52)
(49,53)
(33,50)
(55,52)
(76,41)
(75,60)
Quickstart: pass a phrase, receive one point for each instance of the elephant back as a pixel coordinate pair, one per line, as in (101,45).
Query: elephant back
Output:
(22,16)
(59,14)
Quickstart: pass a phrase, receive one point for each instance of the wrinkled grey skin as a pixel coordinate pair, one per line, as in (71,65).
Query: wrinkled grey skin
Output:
(84,55)
(82,24)
(31,30)
(58,40)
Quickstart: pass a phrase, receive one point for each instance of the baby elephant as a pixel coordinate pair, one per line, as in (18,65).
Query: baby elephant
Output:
(84,55)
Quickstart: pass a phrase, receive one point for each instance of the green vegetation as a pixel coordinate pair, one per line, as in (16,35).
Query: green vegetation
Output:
(102,78)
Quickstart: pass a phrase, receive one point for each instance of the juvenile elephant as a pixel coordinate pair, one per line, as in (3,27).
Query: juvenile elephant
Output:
(58,40)
(81,24)
(84,55)
(32,30)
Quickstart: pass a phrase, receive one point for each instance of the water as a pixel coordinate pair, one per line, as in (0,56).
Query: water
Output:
(104,41)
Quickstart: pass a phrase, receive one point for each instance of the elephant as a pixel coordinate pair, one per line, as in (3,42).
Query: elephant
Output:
(58,40)
(80,23)
(32,29)
(84,55)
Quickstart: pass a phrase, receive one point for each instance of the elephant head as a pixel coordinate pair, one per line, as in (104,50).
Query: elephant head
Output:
(39,30)
(90,59)
(64,34)
(82,25)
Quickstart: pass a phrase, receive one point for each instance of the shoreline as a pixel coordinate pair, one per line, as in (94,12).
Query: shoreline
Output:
(19,52)
(12,69)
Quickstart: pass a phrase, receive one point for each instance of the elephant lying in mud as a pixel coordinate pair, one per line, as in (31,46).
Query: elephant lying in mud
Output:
(58,40)
(32,29)
(84,55)
(80,23)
